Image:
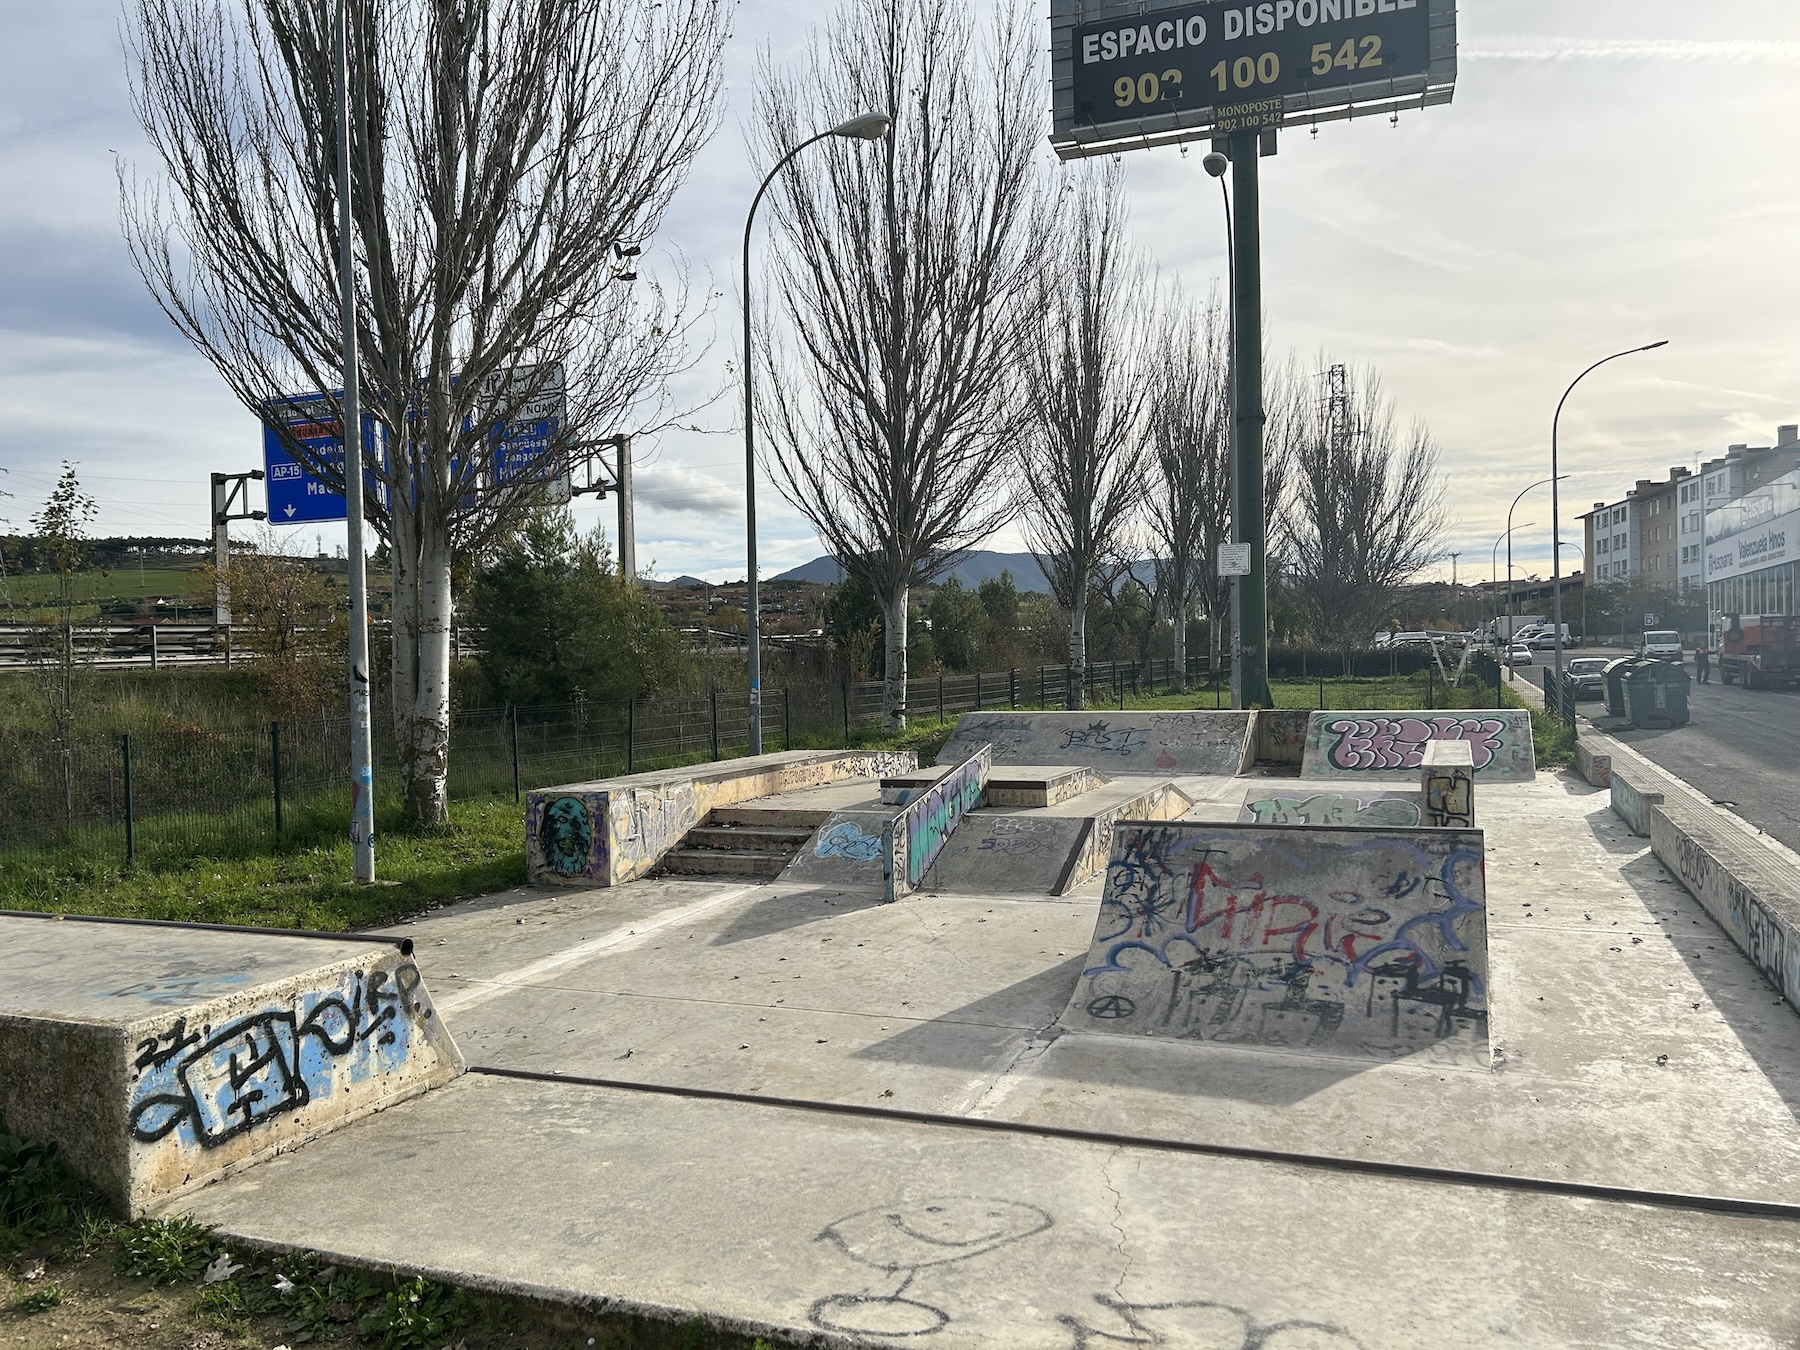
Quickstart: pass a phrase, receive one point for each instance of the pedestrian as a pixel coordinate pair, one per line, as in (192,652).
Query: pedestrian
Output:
(1703,663)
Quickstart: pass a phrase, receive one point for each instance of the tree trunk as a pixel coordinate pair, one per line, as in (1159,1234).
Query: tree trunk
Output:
(1181,637)
(1078,647)
(893,689)
(421,678)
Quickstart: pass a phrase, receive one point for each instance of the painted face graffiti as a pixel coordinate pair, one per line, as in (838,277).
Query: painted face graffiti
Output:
(566,836)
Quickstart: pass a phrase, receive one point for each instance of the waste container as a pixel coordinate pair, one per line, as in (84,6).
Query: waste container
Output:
(1656,693)
(1613,680)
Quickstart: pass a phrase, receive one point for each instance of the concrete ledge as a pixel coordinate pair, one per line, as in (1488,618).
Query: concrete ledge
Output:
(616,830)
(1201,743)
(1382,744)
(1595,769)
(159,1060)
(1634,793)
(1752,891)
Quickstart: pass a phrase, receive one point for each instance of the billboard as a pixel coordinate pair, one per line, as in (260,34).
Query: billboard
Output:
(1760,529)
(1135,73)
(295,495)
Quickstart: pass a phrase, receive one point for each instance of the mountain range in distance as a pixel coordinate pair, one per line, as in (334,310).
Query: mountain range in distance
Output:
(979,566)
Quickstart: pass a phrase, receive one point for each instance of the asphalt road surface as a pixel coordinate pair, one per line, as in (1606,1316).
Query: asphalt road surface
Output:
(1742,749)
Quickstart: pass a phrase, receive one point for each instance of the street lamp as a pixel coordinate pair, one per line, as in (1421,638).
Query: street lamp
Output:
(868,127)
(1555,518)
(1494,568)
(1509,534)
(1216,164)
(1585,579)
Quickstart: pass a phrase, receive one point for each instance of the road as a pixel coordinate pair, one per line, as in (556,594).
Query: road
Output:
(1742,749)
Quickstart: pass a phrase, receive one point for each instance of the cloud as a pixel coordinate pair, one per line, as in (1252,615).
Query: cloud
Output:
(670,487)
(1737,52)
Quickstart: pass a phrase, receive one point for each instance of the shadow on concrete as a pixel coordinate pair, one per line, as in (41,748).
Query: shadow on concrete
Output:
(1177,1067)
(1613,834)
(788,910)
(1767,1028)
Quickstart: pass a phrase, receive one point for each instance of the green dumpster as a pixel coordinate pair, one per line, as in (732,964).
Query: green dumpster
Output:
(1613,681)
(1656,694)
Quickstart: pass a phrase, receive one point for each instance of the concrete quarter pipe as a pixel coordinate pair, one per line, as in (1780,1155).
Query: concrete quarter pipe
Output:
(1369,943)
(1114,743)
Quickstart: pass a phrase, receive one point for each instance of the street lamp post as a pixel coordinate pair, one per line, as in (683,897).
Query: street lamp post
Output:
(868,127)
(1494,572)
(1509,534)
(1555,518)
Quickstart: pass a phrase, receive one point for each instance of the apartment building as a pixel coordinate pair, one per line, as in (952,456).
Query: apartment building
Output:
(1640,538)
(1751,527)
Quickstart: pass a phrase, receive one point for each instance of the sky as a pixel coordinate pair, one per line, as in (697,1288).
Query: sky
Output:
(1611,172)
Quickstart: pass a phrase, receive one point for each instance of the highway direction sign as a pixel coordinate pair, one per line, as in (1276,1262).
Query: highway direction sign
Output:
(296,496)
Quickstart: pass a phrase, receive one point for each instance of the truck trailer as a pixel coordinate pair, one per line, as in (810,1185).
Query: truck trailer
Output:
(1759,651)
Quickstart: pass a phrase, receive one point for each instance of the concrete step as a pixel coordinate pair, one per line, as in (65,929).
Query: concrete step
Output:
(785,841)
(770,817)
(719,862)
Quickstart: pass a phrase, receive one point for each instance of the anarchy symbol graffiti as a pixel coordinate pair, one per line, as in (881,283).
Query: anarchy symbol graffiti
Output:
(1112,1007)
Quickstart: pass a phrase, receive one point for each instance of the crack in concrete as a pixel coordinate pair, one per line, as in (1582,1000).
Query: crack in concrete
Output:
(1119,1228)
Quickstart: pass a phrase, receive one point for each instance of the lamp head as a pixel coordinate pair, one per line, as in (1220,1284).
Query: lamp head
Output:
(869,127)
(1654,345)
(1215,163)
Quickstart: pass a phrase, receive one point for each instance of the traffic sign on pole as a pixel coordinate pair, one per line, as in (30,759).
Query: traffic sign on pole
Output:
(296,496)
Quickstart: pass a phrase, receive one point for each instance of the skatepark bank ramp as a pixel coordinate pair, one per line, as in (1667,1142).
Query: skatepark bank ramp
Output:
(1162,743)
(1366,943)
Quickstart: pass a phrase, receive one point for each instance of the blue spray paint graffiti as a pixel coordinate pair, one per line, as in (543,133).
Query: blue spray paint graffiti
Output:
(848,840)
(209,1085)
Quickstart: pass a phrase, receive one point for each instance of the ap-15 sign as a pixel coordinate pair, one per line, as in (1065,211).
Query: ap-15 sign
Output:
(1135,72)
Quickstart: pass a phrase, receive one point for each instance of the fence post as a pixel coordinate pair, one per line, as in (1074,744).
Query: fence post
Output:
(940,698)
(1012,685)
(155,662)
(1321,693)
(978,691)
(631,736)
(715,725)
(513,710)
(1041,702)
(275,766)
(846,714)
(787,719)
(130,819)
(1430,688)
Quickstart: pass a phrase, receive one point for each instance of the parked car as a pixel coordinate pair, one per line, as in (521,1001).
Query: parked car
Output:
(1587,676)
(1518,655)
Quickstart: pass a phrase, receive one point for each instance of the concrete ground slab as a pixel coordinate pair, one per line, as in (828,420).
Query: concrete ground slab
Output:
(1663,1064)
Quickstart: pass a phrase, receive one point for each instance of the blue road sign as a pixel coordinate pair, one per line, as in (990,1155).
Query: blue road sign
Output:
(296,497)
(521,447)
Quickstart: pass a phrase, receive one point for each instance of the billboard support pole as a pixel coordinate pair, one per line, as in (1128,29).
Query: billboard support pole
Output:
(362,767)
(1250,640)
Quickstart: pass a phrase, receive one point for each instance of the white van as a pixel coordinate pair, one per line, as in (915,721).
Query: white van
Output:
(1661,645)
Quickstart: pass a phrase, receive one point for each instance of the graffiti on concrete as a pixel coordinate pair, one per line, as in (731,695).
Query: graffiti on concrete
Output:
(1201,1324)
(215,1083)
(848,840)
(175,991)
(1348,744)
(566,835)
(1450,798)
(901,1241)
(1100,738)
(1334,808)
(916,836)
(1336,940)
(1758,927)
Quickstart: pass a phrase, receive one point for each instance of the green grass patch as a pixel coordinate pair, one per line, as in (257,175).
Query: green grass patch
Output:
(306,885)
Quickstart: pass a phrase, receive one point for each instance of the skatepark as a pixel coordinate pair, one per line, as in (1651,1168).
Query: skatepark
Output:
(1106,1029)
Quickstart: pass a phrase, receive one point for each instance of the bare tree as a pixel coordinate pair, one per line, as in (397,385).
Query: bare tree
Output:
(1190,433)
(1367,509)
(900,278)
(1087,371)
(504,154)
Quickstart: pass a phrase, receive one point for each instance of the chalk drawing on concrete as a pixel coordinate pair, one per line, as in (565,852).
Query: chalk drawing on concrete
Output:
(905,1239)
(1334,808)
(1200,1324)
(1369,943)
(848,840)
(221,1082)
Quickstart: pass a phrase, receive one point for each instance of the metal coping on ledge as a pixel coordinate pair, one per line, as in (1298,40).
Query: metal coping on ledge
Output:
(1442,1176)
(405,944)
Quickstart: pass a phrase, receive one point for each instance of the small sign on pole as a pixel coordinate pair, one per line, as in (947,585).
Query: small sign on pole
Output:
(1649,620)
(1234,560)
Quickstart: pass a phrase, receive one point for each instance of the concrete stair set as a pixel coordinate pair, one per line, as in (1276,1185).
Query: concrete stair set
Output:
(744,841)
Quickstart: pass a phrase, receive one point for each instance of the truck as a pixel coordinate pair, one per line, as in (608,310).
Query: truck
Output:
(1759,651)
(1502,630)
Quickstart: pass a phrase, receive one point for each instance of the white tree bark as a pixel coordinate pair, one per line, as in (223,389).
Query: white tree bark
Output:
(1078,609)
(893,686)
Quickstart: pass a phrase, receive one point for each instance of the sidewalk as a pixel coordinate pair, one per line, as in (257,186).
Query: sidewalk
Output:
(1635,1048)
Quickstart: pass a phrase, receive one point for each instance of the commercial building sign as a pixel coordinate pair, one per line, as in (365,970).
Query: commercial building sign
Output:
(1760,529)
(1129,73)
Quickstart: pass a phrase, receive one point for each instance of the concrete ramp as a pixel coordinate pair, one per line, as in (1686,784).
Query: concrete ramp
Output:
(1365,943)
(1047,852)
(159,1058)
(1113,743)
(845,851)
(1282,804)
(1364,745)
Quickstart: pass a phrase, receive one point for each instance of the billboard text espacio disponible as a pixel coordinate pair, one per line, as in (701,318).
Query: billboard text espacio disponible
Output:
(1135,72)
